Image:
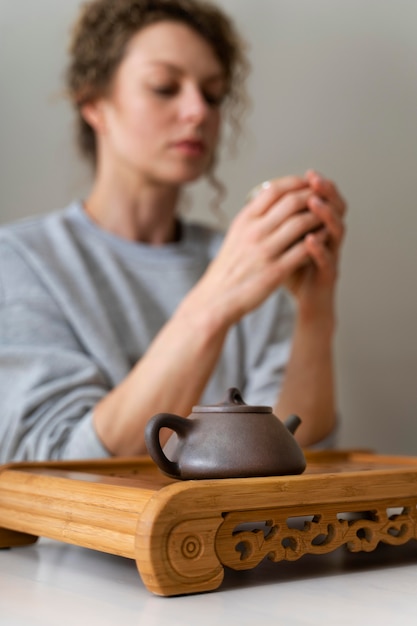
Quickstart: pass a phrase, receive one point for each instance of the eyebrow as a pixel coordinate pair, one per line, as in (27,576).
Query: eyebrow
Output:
(219,76)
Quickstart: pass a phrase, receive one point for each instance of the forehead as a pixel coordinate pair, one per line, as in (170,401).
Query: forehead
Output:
(174,44)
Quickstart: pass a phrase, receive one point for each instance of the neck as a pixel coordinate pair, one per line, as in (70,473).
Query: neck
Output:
(136,210)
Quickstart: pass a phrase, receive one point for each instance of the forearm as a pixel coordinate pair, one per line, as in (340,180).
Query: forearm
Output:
(308,388)
(169,378)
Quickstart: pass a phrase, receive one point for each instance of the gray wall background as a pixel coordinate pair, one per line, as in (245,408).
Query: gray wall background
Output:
(334,87)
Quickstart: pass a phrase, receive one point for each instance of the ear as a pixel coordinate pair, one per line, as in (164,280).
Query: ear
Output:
(93,114)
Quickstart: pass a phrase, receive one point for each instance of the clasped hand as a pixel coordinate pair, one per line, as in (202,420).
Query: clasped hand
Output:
(289,234)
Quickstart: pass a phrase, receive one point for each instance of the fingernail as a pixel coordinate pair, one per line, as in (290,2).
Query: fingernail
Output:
(257,190)
(315,174)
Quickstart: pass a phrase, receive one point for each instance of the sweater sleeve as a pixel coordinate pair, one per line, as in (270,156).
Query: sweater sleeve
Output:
(49,385)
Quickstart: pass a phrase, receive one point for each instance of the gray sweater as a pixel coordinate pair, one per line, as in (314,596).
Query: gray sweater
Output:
(78,308)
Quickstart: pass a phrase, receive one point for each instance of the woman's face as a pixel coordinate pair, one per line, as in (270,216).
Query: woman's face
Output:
(162,117)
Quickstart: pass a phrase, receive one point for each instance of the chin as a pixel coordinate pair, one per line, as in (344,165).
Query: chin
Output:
(187,175)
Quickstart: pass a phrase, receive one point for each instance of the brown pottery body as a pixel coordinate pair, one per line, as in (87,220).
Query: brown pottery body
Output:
(227,440)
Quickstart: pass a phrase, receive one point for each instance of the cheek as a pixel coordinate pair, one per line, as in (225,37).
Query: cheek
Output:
(137,123)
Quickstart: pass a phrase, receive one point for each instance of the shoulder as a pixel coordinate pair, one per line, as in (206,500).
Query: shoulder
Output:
(34,231)
(23,245)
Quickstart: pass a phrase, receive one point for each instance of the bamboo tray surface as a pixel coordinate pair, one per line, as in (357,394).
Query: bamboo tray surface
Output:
(183,533)
(143,472)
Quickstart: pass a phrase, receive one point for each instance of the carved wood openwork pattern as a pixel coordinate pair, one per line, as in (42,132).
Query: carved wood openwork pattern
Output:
(245,538)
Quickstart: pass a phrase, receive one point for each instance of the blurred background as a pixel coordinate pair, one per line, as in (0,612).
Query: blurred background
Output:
(333,87)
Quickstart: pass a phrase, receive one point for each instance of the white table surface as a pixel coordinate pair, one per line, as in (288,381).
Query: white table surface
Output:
(52,583)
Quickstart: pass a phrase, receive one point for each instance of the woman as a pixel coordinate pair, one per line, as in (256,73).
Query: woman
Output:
(115,309)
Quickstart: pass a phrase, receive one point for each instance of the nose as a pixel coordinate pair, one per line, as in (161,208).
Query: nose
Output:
(193,107)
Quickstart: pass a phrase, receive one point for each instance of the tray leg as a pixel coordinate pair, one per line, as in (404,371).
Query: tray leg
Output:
(181,558)
(12,538)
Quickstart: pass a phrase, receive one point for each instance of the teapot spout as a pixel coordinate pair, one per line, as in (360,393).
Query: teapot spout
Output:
(292,423)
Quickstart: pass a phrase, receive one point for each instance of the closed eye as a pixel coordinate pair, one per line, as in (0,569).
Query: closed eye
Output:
(166,91)
(213,100)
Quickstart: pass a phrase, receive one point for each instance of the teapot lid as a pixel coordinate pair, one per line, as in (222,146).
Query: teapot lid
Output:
(233,403)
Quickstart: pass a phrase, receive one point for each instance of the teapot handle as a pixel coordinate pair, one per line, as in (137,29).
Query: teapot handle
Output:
(179,425)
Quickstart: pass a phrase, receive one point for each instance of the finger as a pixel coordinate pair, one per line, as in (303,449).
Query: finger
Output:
(320,236)
(293,259)
(291,204)
(290,233)
(269,192)
(330,217)
(326,189)
(321,255)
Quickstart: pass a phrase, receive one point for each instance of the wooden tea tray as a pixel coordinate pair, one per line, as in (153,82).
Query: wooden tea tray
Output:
(183,534)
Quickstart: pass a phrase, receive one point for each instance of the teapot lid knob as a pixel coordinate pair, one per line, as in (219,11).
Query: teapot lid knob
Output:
(233,403)
(234,396)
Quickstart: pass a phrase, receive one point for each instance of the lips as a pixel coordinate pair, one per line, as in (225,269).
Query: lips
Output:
(191,147)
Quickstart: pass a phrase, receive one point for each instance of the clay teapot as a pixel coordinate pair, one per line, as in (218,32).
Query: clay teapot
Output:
(227,440)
